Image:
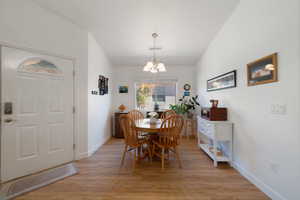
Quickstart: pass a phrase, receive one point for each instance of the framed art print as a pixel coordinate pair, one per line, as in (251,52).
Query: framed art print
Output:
(263,70)
(123,89)
(224,81)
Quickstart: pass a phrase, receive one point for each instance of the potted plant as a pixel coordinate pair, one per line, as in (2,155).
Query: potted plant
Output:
(186,106)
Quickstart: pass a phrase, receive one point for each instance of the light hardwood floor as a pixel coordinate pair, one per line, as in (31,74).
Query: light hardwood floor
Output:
(100,178)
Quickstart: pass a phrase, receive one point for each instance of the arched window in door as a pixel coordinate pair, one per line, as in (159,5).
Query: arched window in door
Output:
(39,65)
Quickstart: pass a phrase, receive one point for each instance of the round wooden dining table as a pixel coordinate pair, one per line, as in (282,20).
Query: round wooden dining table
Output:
(149,129)
(144,125)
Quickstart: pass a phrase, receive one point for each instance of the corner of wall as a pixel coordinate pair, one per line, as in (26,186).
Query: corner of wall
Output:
(96,147)
(99,107)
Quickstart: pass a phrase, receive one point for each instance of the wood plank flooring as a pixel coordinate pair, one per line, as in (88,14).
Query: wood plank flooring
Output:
(101,178)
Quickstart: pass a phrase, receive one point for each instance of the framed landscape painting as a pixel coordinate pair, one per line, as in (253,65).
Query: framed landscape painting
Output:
(224,81)
(123,89)
(263,70)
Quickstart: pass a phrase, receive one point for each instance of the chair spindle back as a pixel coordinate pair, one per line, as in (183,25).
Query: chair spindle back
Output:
(167,114)
(136,115)
(170,131)
(128,127)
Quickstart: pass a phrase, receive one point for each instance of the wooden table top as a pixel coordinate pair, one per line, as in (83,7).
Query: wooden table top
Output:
(145,126)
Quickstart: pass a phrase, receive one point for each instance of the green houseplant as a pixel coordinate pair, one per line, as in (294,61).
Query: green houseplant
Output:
(186,105)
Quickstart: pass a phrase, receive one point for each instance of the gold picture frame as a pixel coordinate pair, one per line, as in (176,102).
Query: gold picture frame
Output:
(263,70)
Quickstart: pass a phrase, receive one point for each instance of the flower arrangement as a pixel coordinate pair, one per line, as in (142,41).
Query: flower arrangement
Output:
(153,117)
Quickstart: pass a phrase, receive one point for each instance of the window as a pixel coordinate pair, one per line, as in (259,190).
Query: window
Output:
(162,92)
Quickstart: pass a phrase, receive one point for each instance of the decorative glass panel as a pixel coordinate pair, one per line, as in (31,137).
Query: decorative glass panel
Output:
(39,65)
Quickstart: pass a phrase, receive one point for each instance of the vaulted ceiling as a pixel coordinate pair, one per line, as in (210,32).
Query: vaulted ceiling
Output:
(123,27)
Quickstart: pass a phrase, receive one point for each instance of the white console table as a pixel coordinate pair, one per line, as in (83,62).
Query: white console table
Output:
(217,131)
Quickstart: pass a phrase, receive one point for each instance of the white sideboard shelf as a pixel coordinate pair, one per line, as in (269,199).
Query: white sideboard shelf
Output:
(216,131)
(205,148)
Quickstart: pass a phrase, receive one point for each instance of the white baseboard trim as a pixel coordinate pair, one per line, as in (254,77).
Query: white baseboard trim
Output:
(274,195)
(82,155)
(91,150)
(97,146)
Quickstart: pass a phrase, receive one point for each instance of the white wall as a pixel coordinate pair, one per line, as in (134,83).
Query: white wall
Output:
(99,107)
(129,75)
(266,146)
(25,24)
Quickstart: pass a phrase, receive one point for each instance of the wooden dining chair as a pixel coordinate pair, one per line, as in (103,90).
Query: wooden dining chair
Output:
(168,138)
(136,115)
(167,114)
(132,141)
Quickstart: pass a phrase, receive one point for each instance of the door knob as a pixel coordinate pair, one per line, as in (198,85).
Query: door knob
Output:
(9,120)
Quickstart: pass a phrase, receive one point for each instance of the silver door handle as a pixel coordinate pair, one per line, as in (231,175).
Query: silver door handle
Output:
(9,120)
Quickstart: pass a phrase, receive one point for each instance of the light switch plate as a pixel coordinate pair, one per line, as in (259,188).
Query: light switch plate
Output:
(278,109)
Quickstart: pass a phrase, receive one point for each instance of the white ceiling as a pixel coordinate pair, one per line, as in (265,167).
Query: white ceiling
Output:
(124,27)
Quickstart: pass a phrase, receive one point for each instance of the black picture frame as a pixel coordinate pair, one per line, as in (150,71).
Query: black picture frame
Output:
(103,85)
(225,81)
(123,89)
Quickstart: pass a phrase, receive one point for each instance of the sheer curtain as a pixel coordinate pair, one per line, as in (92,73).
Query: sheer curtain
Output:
(151,92)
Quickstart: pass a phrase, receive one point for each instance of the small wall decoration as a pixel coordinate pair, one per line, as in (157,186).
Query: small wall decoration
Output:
(187,88)
(94,92)
(224,81)
(263,70)
(103,85)
(106,86)
(186,93)
(123,89)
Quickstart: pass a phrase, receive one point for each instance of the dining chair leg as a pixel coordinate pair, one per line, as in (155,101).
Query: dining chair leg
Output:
(177,157)
(168,154)
(139,149)
(163,159)
(153,149)
(150,154)
(134,158)
(123,157)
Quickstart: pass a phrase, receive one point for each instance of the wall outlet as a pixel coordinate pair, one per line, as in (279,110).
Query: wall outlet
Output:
(278,109)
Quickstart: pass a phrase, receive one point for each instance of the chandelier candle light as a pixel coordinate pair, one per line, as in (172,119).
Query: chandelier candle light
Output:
(154,66)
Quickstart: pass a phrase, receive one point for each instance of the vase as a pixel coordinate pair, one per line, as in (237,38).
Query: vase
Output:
(153,120)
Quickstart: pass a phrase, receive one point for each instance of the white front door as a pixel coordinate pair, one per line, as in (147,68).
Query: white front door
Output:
(36,112)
